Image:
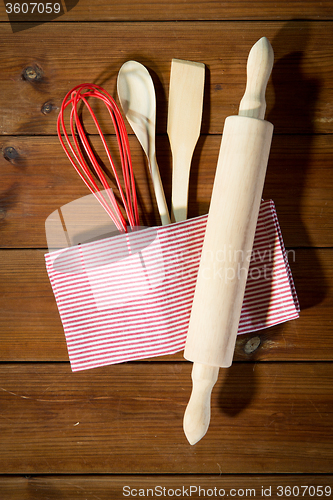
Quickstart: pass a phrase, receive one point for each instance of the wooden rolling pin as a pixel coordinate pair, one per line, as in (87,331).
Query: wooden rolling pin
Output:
(228,241)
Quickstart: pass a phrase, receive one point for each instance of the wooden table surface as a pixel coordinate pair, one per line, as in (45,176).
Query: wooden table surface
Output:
(87,435)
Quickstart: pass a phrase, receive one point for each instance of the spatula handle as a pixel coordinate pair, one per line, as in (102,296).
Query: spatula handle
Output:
(181,165)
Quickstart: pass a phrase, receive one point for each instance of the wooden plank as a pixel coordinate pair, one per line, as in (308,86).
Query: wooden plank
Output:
(30,327)
(106,487)
(28,305)
(178,10)
(302,72)
(38,178)
(266,418)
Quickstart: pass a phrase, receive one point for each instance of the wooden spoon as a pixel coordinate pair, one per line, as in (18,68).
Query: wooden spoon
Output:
(184,122)
(137,97)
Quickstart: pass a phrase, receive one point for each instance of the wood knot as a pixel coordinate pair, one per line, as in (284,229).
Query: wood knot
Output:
(10,153)
(47,108)
(252,345)
(33,73)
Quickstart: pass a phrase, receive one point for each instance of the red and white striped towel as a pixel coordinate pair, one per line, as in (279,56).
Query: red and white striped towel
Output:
(129,297)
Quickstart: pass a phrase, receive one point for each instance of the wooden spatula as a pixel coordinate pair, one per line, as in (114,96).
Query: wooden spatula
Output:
(184,123)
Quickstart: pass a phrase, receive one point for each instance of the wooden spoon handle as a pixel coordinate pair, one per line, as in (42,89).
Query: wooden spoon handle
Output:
(159,191)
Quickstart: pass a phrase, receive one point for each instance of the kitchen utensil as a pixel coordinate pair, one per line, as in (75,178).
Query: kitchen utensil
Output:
(137,97)
(83,159)
(184,122)
(78,222)
(231,224)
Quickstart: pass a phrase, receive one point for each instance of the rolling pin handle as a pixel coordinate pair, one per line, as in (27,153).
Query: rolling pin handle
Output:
(197,414)
(259,67)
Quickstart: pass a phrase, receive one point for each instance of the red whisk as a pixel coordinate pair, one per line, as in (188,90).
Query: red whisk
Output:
(74,97)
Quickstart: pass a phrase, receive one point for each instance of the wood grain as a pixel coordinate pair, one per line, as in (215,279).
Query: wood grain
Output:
(162,10)
(39,179)
(30,327)
(128,419)
(106,487)
(302,71)
(269,417)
